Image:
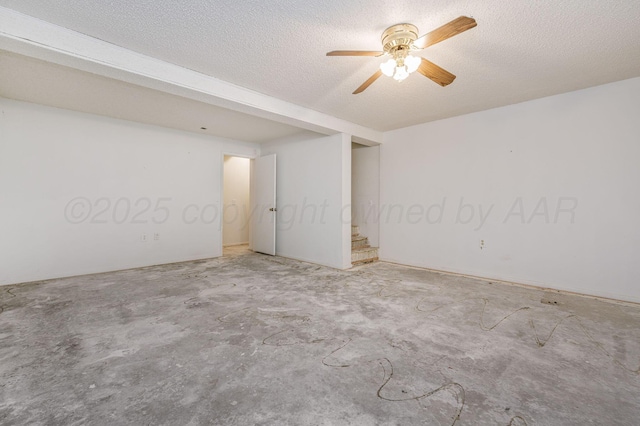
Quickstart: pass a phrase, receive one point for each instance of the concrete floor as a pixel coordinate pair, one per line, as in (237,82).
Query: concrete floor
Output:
(251,339)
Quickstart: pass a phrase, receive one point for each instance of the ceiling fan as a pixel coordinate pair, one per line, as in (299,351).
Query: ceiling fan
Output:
(399,40)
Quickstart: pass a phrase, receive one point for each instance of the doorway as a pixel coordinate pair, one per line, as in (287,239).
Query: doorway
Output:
(365,200)
(236,201)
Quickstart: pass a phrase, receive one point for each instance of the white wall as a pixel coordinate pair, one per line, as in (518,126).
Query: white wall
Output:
(78,192)
(365,195)
(313,193)
(235,226)
(566,168)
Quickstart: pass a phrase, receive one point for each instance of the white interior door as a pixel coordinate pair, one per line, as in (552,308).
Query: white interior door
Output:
(263,205)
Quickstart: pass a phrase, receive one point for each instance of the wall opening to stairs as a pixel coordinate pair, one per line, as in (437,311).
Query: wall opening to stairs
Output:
(365,203)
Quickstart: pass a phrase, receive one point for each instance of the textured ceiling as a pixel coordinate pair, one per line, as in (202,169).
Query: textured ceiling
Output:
(520,50)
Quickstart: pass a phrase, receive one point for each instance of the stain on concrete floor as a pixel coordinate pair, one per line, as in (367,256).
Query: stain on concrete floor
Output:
(252,339)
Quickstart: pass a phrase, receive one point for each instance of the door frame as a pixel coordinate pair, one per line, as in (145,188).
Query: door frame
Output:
(221,202)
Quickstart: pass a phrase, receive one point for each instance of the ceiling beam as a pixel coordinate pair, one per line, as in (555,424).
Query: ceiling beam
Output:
(42,40)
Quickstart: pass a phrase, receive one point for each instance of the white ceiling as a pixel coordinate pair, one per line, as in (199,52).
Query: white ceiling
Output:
(41,82)
(520,50)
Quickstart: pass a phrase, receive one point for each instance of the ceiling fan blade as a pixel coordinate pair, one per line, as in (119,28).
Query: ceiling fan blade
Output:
(367,83)
(435,73)
(354,53)
(455,27)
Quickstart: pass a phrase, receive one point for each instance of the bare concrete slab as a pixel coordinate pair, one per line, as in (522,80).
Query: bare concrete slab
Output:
(252,339)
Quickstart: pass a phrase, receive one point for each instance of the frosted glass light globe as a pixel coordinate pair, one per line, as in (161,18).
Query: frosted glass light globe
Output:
(388,67)
(412,63)
(401,73)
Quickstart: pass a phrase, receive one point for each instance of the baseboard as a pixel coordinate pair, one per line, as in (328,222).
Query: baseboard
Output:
(519,284)
(236,244)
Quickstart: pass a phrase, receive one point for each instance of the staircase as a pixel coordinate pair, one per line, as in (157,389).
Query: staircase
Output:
(361,251)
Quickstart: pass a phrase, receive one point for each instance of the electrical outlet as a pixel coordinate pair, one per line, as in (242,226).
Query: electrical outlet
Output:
(143,238)
(156,236)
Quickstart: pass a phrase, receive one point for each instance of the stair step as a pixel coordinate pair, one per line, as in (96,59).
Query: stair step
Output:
(355,230)
(359,242)
(364,255)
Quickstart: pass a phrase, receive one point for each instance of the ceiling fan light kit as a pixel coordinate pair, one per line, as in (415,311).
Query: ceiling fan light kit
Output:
(399,68)
(399,40)
(396,42)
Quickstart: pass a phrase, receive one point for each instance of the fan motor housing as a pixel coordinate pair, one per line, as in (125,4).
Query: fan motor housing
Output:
(399,36)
